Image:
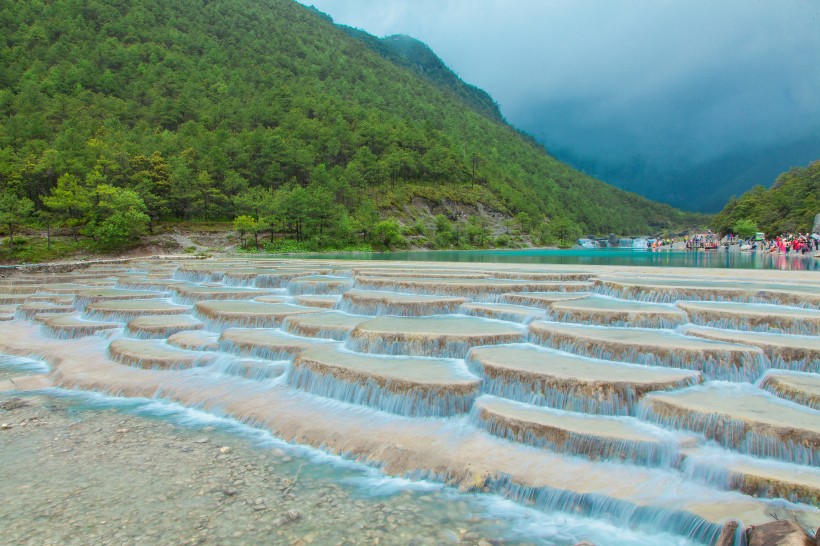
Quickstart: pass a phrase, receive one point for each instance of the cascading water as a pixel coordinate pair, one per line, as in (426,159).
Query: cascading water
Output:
(618,411)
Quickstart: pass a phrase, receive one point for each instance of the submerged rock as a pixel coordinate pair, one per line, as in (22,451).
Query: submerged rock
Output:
(13,404)
(778,533)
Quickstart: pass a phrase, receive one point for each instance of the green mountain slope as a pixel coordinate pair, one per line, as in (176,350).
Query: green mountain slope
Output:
(789,206)
(410,53)
(193,106)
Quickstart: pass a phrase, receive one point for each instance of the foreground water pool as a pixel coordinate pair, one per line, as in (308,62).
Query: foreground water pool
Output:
(629,257)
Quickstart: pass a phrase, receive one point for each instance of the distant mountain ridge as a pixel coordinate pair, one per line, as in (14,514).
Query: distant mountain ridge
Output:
(704,187)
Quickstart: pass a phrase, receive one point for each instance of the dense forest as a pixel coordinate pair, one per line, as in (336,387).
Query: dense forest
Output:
(116,115)
(789,206)
(414,55)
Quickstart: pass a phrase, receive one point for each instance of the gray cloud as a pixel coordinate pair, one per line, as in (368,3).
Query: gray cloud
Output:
(670,81)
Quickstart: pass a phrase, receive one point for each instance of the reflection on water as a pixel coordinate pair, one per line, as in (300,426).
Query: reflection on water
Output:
(664,258)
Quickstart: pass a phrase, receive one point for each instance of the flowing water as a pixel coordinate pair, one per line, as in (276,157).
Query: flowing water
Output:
(112,470)
(416,403)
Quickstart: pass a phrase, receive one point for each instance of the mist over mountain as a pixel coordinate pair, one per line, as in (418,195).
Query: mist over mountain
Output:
(688,102)
(704,186)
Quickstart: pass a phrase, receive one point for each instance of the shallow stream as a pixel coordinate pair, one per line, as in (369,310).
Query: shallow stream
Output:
(80,468)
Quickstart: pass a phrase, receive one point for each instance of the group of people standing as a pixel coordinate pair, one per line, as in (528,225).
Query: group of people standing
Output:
(706,240)
(784,244)
(802,243)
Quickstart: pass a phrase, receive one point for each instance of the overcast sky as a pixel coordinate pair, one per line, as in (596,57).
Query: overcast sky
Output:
(671,81)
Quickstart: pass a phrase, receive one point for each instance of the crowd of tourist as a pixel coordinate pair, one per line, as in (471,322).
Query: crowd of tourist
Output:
(708,241)
(801,243)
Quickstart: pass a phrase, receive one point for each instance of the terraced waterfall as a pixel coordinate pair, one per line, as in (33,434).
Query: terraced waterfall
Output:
(652,399)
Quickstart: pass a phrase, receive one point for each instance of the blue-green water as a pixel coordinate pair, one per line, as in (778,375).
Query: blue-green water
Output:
(664,258)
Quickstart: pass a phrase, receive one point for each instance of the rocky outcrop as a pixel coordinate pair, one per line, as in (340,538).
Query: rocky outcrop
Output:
(779,533)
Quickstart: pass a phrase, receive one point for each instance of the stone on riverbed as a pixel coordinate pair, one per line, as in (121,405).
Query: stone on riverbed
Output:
(779,533)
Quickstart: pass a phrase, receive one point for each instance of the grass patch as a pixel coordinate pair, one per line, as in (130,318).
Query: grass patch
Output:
(194,226)
(35,249)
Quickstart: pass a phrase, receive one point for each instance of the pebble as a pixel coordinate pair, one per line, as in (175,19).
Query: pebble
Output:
(217,509)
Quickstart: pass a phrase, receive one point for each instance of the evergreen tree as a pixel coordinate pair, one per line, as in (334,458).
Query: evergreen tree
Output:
(14,211)
(71,202)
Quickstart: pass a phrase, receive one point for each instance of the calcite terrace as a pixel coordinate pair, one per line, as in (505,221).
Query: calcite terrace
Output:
(653,398)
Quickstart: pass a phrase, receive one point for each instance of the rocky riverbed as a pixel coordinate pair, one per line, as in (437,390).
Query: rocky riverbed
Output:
(79,474)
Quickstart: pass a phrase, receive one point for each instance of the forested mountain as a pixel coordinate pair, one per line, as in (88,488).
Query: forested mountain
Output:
(789,206)
(417,56)
(117,113)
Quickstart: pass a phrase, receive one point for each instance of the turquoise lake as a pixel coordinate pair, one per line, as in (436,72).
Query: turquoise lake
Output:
(665,258)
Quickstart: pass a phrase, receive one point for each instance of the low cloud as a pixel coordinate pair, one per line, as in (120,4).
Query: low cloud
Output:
(681,81)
